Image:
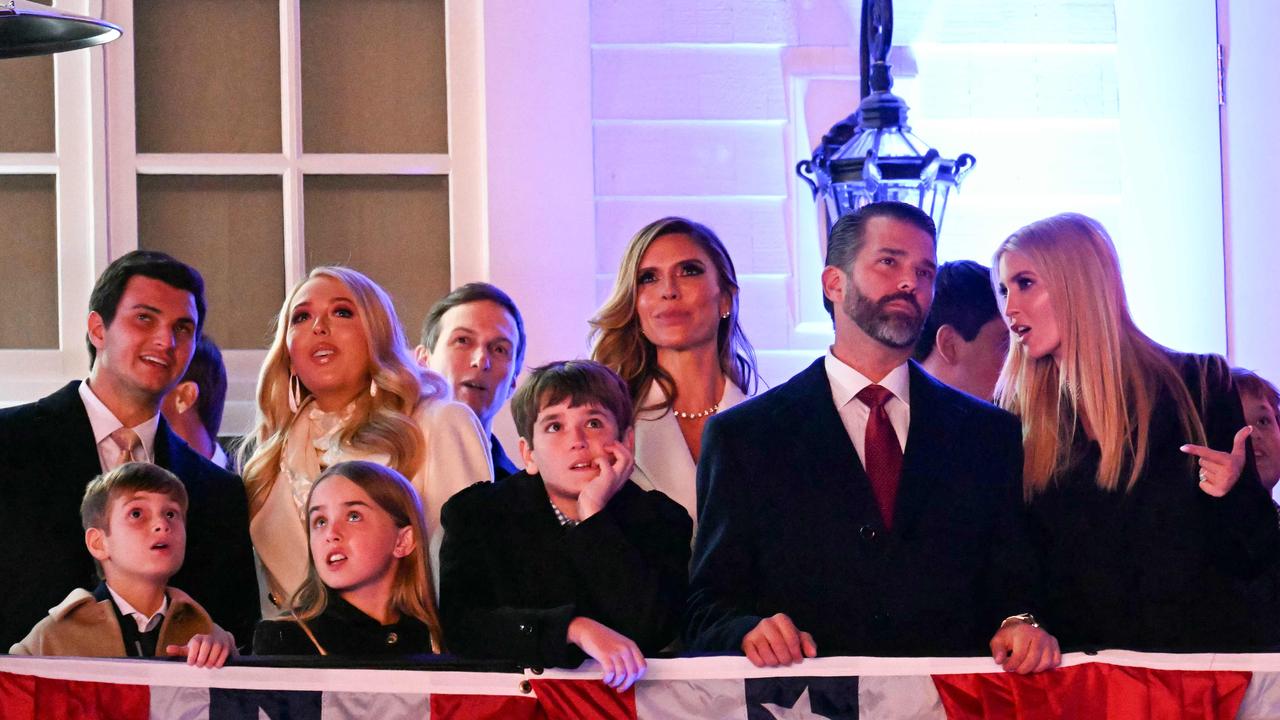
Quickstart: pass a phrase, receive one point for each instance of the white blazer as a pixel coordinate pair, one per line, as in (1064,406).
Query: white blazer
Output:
(663,460)
(457,456)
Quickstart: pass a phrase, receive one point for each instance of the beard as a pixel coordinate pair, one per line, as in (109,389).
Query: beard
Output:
(895,328)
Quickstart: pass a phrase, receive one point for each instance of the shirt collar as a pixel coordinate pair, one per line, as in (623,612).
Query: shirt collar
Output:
(564,520)
(104,422)
(846,382)
(145,623)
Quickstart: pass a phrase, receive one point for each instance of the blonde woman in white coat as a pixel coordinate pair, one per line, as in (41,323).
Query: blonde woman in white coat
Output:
(671,330)
(339,384)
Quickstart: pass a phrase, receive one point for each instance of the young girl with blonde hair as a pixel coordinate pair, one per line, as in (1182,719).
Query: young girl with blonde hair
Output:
(339,384)
(368,585)
(1143,497)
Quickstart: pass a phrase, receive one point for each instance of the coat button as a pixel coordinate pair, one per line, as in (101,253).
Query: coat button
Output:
(392,638)
(867,532)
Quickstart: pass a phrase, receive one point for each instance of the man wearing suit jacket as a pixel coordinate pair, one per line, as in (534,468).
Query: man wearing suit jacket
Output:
(862,507)
(145,314)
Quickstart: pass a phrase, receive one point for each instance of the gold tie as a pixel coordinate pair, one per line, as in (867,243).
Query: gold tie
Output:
(128,442)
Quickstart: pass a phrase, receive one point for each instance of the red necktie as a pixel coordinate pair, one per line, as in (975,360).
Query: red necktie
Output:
(882,453)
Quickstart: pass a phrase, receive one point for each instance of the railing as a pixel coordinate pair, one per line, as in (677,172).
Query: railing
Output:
(1116,684)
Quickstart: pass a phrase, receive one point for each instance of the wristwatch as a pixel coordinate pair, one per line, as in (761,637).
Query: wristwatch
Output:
(1027,618)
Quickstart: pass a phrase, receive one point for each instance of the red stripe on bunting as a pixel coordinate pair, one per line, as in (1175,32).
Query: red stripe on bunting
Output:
(26,697)
(484,707)
(1095,690)
(584,700)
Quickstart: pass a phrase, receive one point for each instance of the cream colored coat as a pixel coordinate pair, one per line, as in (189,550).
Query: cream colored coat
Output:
(457,456)
(83,627)
(663,460)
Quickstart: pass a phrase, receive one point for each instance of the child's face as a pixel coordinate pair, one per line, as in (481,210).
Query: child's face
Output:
(567,443)
(354,543)
(145,538)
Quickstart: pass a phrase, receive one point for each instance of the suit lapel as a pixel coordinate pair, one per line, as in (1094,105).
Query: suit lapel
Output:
(934,420)
(824,444)
(67,437)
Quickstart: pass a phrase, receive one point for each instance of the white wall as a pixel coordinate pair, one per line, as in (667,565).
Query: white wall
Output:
(1251,150)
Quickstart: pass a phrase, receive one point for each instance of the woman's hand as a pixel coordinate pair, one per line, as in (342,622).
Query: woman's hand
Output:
(1219,471)
(620,658)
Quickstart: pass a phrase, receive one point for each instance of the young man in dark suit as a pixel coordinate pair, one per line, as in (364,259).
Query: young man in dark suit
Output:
(862,507)
(145,313)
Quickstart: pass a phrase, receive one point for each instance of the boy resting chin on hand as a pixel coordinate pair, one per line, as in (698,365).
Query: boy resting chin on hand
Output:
(567,557)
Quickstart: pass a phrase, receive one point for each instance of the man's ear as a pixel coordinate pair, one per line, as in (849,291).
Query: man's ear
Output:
(833,282)
(526,454)
(96,540)
(629,439)
(97,331)
(422,355)
(405,542)
(947,344)
(185,395)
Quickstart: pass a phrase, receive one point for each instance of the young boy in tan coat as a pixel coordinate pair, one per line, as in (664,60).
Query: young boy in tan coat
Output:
(135,528)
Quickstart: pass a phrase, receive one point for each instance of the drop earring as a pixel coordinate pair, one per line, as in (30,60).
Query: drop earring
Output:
(295,393)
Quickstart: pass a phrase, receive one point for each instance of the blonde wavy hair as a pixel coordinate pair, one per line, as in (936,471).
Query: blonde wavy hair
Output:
(1109,371)
(615,330)
(382,422)
(411,592)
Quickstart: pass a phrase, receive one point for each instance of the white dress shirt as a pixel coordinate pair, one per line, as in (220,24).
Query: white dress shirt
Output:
(220,457)
(146,623)
(104,422)
(846,383)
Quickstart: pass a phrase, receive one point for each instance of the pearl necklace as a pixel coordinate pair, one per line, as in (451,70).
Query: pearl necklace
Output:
(697,415)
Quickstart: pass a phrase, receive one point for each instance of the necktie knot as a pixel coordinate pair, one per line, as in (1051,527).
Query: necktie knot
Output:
(128,442)
(874,396)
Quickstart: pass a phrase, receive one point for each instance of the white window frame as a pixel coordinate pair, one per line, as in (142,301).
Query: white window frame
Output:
(97,200)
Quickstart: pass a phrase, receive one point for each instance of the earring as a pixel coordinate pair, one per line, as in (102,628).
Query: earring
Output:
(725,316)
(373,388)
(295,393)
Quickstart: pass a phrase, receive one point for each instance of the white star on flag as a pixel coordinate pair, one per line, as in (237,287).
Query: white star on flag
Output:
(801,710)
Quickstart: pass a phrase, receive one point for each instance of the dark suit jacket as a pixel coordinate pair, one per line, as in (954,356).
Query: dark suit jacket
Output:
(511,578)
(47,456)
(788,524)
(503,468)
(1164,565)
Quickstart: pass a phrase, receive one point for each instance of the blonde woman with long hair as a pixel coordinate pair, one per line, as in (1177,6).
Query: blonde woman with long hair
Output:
(670,329)
(339,384)
(1144,500)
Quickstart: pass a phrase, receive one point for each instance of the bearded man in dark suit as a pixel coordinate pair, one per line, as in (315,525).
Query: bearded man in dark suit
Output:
(145,313)
(862,507)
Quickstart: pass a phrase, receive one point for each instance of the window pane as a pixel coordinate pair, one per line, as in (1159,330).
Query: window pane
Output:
(26,112)
(393,228)
(231,229)
(29,273)
(207,75)
(389,101)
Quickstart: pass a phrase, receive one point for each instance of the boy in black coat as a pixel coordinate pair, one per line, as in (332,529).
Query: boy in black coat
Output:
(567,557)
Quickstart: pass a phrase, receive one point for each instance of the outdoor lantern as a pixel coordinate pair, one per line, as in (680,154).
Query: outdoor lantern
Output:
(30,29)
(872,155)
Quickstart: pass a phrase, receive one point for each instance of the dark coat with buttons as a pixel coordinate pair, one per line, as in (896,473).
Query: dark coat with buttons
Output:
(343,631)
(788,524)
(512,578)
